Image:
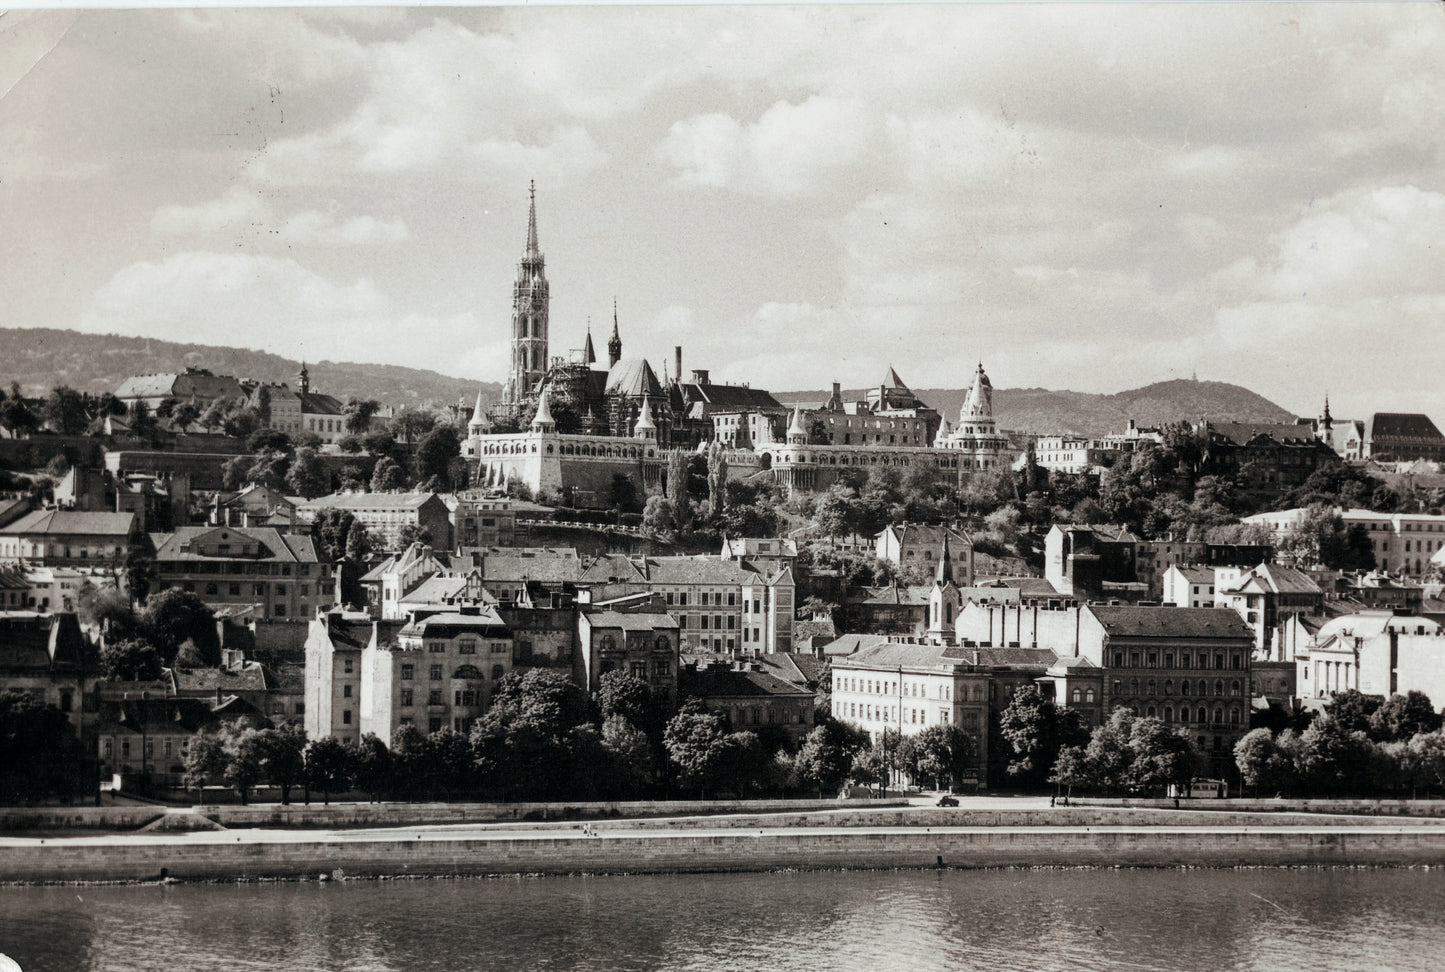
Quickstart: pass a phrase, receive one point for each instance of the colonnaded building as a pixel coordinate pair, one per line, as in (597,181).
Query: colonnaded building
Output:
(567,426)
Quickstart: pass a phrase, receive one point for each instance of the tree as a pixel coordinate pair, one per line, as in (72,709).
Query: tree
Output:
(1072,768)
(1161,756)
(137,571)
(40,755)
(525,739)
(629,755)
(413,533)
(622,494)
(1427,753)
(657,517)
(1402,717)
(269,440)
(1036,730)
(825,759)
(451,763)
(717,477)
(308,476)
(1352,709)
(358,542)
(359,413)
(946,753)
(142,424)
(387,475)
(1334,758)
(283,761)
(1108,751)
(64,411)
(329,531)
(173,617)
(130,660)
(244,748)
(328,766)
(693,740)
(205,761)
(16,414)
(435,452)
(628,697)
(372,767)
(107,609)
(677,493)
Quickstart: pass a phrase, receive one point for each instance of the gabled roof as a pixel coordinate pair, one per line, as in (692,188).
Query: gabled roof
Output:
(1273,578)
(313,403)
(895,654)
(73,523)
(1128,621)
(367,501)
(1040,658)
(912,595)
(925,534)
(274,545)
(37,643)
(486,624)
(850,644)
(721,398)
(251,678)
(1194,575)
(1242,433)
(634,378)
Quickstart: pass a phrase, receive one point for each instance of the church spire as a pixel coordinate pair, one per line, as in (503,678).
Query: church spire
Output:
(614,343)
(589,354)
(532,247)
(945,563)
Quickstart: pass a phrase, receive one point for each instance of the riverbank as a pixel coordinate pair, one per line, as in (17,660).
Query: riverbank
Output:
(232,855)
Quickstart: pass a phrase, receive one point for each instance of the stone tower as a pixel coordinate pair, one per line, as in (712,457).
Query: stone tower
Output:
(530,302)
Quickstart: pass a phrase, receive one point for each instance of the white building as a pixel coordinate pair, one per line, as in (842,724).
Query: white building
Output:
(1403,543)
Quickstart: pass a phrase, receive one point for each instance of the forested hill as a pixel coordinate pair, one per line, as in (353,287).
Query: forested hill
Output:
(40,358)
(1044,411)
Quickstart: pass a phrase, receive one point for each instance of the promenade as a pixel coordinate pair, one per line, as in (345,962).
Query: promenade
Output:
(920,837)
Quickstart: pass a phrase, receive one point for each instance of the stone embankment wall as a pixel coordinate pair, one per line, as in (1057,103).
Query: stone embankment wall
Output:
(202,857)
(1379,808)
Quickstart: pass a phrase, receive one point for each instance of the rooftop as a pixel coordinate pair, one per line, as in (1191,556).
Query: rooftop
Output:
(1129,621)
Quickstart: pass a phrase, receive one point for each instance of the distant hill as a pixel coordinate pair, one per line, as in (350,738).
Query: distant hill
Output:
(40,358)
(1043,411)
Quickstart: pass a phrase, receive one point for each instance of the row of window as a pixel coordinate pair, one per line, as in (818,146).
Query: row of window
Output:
(1184,687)
(1201,715)
(869,686)
(703,598)
(234,567)
(1187,659)
(889,713)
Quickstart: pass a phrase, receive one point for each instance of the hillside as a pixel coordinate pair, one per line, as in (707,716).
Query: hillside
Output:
(39,358)
(1043,411)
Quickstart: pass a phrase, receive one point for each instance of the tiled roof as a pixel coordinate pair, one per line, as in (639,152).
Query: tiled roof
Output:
(729,397)
(35,643)
(911,595)
(366,501)
(927,535)
(316,404)
(850,644)
(486,623)
(795,667)
(73,523)
(1040,658)
(634,378)
(547,570)
(1195,575)
(698,570)
(900,655)
(1279,580)
(712,683)
(1403,425)
(630,622)
(1169,622)
(1242,433)
(251,678)
(288,548)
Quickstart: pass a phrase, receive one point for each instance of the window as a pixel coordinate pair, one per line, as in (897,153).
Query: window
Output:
(436,646)
(1076,696)
(234,590)
(434,697)
(466,647)
(406,697)
(346,717)
(436,673)
(638,669)
(1118,659)
(497,672)
(346,691)
(1089,695)
(406,673)
(347,666)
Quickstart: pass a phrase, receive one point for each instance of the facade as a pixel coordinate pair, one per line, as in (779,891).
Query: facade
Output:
(644,643)
(334,646)
(752,699)
(1403,543)
(1189,667)
(66,538)
(1264,597)
(385,515)
(918,545)
(193,384)
(439,672)
(483,520)
(44,655)
(1267,460)
(279,573)
(1375,652)
(910,687)
(762,553)
(1189,587)
(720,605)
(1403,437)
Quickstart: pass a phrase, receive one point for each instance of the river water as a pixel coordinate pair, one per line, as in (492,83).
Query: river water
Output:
(1036,920)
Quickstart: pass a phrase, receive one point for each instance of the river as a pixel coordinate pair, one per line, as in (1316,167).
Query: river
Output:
(1035,920)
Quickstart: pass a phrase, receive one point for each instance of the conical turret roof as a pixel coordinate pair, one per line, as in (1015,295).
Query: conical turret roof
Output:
(644,420)
(796,427)
(891,380)
(544,410)
(479,417)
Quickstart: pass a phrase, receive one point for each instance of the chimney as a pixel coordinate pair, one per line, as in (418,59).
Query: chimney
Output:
(677,360)
(699,376)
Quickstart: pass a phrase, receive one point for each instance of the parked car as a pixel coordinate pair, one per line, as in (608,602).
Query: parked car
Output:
(947,801)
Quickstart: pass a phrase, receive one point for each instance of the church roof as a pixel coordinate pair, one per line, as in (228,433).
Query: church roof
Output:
(589,353)
(891,380)
(634,378)
(719,398)
(1242,433)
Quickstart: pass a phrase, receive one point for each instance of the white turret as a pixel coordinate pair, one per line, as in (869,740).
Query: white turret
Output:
(645,427)
(797,435)
(979,403)
(478,424)
(543,422)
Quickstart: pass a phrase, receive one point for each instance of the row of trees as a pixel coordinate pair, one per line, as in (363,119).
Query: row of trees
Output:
(40,756)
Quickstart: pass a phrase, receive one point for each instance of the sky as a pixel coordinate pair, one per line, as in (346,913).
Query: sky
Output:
(1081,196)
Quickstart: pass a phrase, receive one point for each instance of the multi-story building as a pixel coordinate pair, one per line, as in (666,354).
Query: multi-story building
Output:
(334,646)
(635,636)
(279,573)
(483,520)
(1189,586)
(753,700)
(441,671)
(763,553)
(720,605)
(43,655)
(910,687)
(1403,437)
(192,385)
(1264,596)
(67,538)
(386,514)
(1374,652)
(1189,667)
(918,545)
(1266,460)
(1403,543)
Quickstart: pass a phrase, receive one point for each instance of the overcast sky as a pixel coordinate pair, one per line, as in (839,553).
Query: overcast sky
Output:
(1083,196)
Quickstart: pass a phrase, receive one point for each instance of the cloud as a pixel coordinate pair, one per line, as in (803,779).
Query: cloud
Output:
(238,299)
(244,215)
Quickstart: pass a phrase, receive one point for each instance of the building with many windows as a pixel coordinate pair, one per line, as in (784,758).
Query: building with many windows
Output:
(1403,543)
(441,671)
(385,515)
(633,635)
(68,538)
(279,573)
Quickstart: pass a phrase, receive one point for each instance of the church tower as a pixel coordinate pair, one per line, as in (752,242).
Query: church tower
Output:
(530,303)
(614,343)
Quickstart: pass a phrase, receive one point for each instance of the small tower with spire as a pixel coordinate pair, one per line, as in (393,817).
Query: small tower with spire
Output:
(944,599)
(645,427)
(303,379)
(589,353)
(543,422)
(797,435)
(614,343)
(478,425)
